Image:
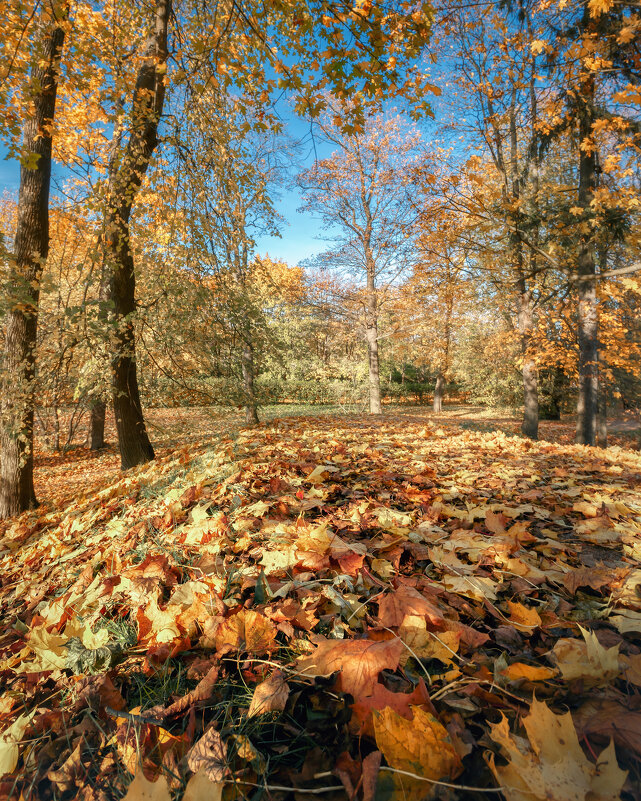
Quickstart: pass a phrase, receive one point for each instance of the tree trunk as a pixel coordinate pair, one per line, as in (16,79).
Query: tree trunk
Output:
(97,425)
(148,99)
(98,405)
(530,424)
(251,407)
(371,332)
(602,419)
(588,316)
(439,390)
(31,247)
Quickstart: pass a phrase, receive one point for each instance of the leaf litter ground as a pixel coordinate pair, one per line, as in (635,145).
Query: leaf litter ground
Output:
(330,606)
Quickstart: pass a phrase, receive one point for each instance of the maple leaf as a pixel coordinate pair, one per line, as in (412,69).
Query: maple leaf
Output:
(551,766)
(519,670)
(522,617)
(423,643)
(603,719)
(421,746)
(362,721)
(393,607)
(358,661)
(595,577)
(587,659)
(201,788)
(248,631)
(141,789)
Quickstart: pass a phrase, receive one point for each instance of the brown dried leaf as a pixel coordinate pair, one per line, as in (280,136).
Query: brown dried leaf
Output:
(359,662)
(247,631)
(209,755)
(396,605)
(269,696)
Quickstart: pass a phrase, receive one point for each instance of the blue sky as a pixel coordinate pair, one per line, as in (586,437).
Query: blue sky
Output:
(298,230)
(302,236)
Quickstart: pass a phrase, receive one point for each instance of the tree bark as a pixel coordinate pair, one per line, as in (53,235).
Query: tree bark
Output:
(530,424)
(98,405)
(439,390)
(251,407)
(149,93)
(588,316)
(602,419)
(97,425)
(371,333)
(31,247)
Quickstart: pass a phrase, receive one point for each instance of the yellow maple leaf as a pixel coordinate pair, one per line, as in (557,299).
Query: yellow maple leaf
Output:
(553,766)
(421,746)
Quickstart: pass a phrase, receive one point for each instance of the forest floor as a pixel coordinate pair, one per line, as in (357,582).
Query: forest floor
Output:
(328,605)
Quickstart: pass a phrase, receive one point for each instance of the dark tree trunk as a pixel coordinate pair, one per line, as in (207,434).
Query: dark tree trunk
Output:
(602,419)
(98,405)
(97,425)
(31,247)
(588,317)
(148,99)
(251,407)
(439,390)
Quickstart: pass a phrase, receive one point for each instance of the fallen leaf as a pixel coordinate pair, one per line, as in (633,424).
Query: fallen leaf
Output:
(421,746)
(604,719)
(403,601)
(358,661)
(522,617)
(426,644)
(551,766)
(519,670)
(209,755)
(269,696)
(594,577)
(10,742)
(201,788)
(141,789)
(246,631)
(586,659)
(362,722)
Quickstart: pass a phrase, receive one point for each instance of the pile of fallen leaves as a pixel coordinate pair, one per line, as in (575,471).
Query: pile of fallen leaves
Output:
(356,608)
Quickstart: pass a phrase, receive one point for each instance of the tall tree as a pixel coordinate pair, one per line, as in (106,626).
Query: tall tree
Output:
(146,109)
(30,249)
(499,70)
(595,54)
(363,193)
